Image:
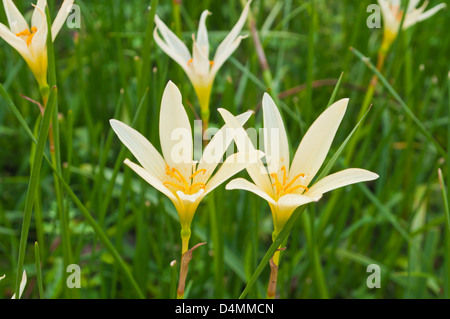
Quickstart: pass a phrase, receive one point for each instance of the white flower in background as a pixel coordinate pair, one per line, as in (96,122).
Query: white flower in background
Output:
(393,14)
(198,67)
(31,42)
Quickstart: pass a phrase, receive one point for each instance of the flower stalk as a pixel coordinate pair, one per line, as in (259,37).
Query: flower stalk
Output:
(186,257)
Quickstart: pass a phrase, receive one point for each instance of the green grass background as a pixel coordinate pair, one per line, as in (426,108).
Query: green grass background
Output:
(398,222)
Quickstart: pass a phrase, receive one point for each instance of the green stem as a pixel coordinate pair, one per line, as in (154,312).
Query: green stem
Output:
(33,185)
(38,270)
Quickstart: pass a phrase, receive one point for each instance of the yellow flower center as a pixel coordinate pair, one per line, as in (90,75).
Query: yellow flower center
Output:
(28,34)
(287,186)
(181,183)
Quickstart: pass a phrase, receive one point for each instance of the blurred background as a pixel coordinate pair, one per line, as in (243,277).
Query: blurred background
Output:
(398,222)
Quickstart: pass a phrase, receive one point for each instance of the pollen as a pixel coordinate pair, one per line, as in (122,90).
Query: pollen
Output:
(286,187)
(177,181)
(211,63)
(28,34)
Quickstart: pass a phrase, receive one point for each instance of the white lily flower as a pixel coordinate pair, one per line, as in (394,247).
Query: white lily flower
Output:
(2,277)
(175,174)
(287,186)
(392,15)
(200,70)
(30,42)
(23,283)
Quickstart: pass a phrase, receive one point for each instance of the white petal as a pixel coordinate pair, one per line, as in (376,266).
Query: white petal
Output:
(292,201)
(141,148)
(17,22)
(276,144)
(2,277)
(37,19)
(39,42)
(316,143)
(23,283)
(200,61)
(182,61)
(243,184)
(16,42)
(341,179)
(431,12)
(412,5)
(61,17)
(172,41)
(390,21)
(223,55)
(231,37)
(175,131)
(202,34)
(257,172)
(213,153)
(232,165)
(151,179)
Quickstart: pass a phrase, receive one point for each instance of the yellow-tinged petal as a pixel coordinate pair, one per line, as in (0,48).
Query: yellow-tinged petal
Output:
(175,131)
(341,179)
(141,148)
(316,143)
(286,206)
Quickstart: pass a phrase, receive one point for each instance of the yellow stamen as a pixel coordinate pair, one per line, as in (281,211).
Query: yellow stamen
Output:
(172,174)
(297,187)
(283,188)
(28,34)
(284,174)
(293,180)
(211,63)
(167,184)
(201,185)
(183,180)
(203,171)
(277,183)
(184,187)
